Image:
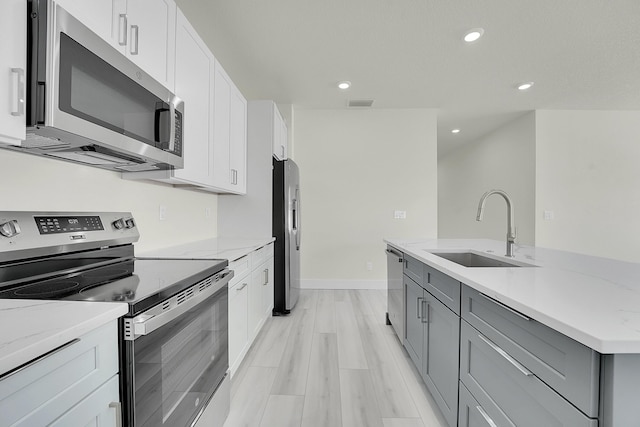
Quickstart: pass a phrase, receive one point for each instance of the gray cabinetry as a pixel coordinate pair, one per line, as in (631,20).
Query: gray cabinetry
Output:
(567,366)
(414,333)
(395,291)
(432,338)
(507,391)
(471,414)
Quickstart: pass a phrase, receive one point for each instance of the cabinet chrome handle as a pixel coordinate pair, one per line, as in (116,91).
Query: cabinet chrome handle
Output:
(506,356)
(282,146)
(118,407)
(135,32)
(39,358)
(244,285)
(425,307)
(234,177)
(266,277)
(122,29)
(418,307)
(19,91)
(506,307)
(486,416)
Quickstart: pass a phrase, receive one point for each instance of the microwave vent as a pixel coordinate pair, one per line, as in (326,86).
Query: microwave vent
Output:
(360,103)
(43,142)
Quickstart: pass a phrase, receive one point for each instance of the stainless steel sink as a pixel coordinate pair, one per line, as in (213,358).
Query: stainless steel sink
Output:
(470,259)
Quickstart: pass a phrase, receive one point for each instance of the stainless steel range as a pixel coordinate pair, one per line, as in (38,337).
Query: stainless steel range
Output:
(173,340)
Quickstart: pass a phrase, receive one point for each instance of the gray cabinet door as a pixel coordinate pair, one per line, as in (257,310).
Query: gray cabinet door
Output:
(414,332)
(414,269)
(440,360)
(567,366)
(443,287)
(471,414)
(506,388)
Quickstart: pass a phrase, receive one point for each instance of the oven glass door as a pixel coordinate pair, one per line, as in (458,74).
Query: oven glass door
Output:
(177,367)
(95,91)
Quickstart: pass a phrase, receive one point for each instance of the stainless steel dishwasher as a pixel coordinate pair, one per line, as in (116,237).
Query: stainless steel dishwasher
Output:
(395,291)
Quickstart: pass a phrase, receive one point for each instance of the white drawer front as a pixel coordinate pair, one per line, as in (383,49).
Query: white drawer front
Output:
(45,390)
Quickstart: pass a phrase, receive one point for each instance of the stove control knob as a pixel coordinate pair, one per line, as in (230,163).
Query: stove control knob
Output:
(10,228)
(118,224)
(129,223)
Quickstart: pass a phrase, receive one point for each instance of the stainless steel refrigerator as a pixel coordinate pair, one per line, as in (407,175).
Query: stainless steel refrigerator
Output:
(286,230)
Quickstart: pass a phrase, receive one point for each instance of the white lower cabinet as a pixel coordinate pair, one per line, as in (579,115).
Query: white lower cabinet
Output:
(250,301)
(76,385)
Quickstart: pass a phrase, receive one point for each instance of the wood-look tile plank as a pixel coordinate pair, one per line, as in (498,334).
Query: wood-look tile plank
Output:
(270,344)
(247,405)
(322,399)
(292,372)
(426,406)
(350,351)
(394,398)
(283,411)
(359,404)
(326,312)
(402,422)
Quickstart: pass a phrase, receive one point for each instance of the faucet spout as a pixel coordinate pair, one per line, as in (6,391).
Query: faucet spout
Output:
(511,229)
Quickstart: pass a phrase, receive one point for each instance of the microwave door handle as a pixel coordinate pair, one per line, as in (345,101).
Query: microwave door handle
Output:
(172,126)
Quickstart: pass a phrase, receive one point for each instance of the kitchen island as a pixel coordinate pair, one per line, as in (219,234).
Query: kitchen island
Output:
(567,325)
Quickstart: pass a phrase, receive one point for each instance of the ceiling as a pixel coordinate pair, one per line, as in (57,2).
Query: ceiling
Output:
(581,54)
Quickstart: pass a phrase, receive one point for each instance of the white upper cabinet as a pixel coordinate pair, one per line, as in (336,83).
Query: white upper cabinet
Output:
(280,137)
(194,85)
(144,30)
(13,42)
(229,136)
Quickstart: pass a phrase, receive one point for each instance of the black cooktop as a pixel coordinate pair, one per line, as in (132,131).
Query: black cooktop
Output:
(142,283)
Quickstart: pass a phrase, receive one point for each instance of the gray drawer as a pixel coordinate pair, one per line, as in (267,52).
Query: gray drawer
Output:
(472,414)
(414,269)
(443,287)
(504,388)
(564,364)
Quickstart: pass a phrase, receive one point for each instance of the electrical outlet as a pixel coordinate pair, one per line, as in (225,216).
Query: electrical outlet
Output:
(399,214)
(162,212)
(369,266)
(548,215)
(207,212)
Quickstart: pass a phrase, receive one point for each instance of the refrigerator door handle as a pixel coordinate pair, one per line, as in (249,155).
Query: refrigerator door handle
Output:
(296,218)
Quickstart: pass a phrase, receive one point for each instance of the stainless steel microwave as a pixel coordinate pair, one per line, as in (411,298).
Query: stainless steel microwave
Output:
(88,103)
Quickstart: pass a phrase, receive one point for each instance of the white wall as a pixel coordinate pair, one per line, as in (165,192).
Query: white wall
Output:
(504,159)
(356,168)
(36,183)
(588,175)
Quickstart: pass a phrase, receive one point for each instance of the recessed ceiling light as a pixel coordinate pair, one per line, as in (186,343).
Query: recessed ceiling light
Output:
(344,85)
(525,86)
(473,35)
(455,130)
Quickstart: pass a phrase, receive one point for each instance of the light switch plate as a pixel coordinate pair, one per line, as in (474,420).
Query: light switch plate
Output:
(399,214)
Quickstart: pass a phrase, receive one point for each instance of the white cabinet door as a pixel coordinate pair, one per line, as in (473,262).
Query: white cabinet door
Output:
(238,141)
(151,26)
(256,318)
(100,408)
(221,129)
(267,289)
(13,45)
(238,327)
(194,85)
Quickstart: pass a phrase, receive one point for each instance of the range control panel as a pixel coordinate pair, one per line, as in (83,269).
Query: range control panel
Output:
(67,224)
(34,234)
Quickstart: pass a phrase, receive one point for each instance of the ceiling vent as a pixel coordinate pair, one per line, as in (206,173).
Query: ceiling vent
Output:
(360,103)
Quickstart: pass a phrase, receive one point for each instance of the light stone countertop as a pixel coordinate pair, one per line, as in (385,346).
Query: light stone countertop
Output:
(32,328)
(595,301)
(220,248)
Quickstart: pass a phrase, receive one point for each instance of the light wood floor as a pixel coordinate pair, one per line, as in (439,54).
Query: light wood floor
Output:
(331,362)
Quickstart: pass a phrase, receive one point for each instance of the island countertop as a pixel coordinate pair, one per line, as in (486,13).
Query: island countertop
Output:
(595,301)
(31,328)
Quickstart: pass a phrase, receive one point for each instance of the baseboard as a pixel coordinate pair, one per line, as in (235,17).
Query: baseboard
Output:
(342,284)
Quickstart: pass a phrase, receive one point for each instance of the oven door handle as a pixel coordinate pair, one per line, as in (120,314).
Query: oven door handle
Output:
(144,324)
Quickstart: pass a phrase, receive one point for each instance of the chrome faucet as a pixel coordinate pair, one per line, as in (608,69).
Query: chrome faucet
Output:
(511,228)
